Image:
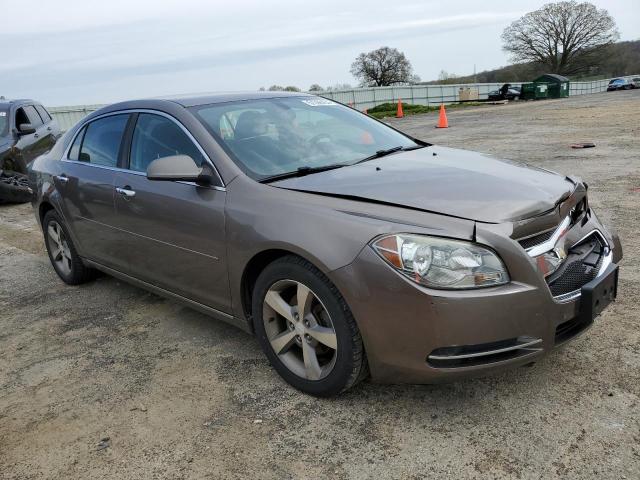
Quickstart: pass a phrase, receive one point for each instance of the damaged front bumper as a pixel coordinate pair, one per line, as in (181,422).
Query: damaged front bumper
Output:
(413,334)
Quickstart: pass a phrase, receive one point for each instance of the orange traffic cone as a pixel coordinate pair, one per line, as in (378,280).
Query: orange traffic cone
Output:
(442,121)
(400,113)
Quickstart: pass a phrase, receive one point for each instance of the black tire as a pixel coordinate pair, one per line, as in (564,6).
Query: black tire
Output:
(350,362)
(14,188)
(78,273)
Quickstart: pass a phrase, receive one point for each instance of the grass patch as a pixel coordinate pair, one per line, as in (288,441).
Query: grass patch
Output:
(389,109)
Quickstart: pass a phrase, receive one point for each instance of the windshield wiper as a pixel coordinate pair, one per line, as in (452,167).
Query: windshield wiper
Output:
(301,172)
(388,151)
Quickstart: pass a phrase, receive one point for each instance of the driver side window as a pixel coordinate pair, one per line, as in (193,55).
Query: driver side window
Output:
(156,137)
(21,117)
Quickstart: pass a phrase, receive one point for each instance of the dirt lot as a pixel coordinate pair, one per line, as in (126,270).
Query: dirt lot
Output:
(183,396)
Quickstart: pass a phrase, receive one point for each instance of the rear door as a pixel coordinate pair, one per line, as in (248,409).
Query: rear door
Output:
(50,128)
(173,232)
(42,139)
(86,184)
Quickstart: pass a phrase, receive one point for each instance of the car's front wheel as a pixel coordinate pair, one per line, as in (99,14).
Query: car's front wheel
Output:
(306,328)
(62,252)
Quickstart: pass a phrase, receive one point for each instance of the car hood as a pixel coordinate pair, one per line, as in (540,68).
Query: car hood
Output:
(458,183)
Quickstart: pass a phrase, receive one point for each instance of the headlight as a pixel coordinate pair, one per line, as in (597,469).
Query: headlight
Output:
(442,263)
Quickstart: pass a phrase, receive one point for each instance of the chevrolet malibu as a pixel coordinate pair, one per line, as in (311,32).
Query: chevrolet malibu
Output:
(346,247)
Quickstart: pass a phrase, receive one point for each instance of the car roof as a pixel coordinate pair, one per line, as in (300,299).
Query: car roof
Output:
(192,100)
(172,103)
(17,101)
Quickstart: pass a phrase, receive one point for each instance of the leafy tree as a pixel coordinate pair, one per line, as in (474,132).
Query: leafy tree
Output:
(315,88)
(291,88)
(275,88)
(566,37)
(382,67)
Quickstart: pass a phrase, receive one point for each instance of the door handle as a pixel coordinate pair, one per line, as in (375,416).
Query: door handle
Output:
(35,135)
(61,178)
(126,192)
(49,129)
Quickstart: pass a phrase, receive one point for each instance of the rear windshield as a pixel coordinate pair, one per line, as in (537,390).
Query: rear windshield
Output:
(280,135)
(4,121)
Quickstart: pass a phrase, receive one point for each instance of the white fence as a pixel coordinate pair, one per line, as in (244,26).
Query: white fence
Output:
(362,98)
(67,117)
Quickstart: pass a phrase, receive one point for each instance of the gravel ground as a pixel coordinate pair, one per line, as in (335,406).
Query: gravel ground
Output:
(181,396)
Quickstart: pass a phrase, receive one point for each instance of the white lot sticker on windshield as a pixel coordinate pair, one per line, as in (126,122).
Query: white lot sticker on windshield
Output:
(318,102)
(3,114)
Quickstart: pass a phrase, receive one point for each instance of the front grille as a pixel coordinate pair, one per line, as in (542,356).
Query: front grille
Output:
(579,213)
(536,239)
(581,266)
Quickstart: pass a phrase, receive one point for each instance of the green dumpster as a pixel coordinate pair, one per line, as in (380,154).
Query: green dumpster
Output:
(534,91)
(558,86)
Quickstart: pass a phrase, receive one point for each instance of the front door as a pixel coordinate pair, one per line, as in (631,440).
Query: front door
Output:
(173,232)
(33,144)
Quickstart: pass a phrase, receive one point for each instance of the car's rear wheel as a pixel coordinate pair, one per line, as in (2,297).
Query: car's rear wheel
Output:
(62,253)
(306,328)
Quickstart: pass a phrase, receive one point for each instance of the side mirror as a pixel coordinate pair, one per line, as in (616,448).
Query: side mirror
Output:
(26,129)
(178,167)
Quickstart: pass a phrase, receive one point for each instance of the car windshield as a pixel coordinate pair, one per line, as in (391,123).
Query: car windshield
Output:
(4,121)
(276,136)
(617,80)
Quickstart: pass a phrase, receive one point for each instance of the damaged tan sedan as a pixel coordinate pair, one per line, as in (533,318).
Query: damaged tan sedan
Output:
(348,248)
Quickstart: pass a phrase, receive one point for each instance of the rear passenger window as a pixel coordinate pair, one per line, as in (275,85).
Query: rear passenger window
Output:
(102,139)
(34,118)
(157,137)
(44,115)
(74,151)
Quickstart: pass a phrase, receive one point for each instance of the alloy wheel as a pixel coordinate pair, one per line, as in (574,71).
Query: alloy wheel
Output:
(59,248)
(299,329)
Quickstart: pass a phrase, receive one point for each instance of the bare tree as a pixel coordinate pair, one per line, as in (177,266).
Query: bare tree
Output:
(444,75)
(565,37)
(382,67)
(315,88)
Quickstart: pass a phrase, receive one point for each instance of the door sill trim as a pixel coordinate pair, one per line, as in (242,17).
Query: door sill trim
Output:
(210,311)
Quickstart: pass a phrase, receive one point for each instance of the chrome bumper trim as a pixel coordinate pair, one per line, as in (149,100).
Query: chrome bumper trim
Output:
(520,346)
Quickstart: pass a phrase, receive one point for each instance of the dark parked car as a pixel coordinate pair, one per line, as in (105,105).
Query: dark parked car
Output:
(506,92)
(26,131)
(345,246)
(619,84)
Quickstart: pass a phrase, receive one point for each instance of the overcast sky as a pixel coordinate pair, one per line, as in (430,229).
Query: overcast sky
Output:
(67,52)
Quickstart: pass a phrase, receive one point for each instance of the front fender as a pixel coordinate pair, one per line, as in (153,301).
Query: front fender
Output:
(327,231)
